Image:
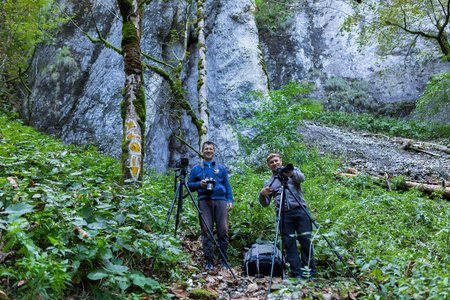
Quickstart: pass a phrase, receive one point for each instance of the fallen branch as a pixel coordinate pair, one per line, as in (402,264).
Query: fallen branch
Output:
(445,149)
(375,135)
(409,145)
(82,233)
(427,188)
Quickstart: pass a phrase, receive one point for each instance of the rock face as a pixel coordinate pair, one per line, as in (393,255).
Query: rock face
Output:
(76,84)
(315,49)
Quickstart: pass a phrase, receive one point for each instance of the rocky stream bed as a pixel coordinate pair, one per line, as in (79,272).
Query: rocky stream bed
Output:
(381,155)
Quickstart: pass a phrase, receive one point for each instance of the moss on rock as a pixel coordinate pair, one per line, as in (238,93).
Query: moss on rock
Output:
(201,294)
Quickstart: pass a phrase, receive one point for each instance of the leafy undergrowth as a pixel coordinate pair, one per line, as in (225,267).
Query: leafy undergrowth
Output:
(69,230)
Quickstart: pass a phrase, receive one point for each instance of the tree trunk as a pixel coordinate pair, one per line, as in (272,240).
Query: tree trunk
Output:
(444,45)
(430,188)
(201,83)
(133,106)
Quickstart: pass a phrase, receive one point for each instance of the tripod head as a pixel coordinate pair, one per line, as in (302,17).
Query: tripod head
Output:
(283,179)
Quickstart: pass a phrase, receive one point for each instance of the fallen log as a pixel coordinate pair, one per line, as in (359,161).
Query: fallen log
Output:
(427,188)
(442,148)
(409,146)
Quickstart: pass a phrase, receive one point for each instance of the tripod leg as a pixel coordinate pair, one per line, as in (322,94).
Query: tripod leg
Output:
(329,243)
(209,230)
(180,206)
(275,244)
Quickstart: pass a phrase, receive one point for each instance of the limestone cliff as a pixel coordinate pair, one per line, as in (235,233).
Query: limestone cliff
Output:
(77,85)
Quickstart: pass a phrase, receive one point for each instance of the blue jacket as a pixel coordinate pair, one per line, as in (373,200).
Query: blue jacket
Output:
(222,189)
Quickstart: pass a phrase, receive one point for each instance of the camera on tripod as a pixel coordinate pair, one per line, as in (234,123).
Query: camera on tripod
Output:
(210,183)
(288,169)
(182,164)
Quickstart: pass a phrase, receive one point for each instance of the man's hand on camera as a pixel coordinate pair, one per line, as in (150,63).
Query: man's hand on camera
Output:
(288,174)
(266,191)
(203,184)
(229,206)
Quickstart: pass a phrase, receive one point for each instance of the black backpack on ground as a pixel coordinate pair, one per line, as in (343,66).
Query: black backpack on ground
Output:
(258,261)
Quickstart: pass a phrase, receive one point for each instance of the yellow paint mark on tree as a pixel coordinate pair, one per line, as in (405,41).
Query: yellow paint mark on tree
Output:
(135,147)
(130,136)
(135,167)
(130,124)
(135,171)
(133,135)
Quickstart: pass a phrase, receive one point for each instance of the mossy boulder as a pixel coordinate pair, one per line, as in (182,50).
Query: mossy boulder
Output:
(201,294)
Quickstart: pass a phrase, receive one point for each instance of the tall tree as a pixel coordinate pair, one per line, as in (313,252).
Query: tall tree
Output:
(171,72)
(133,105)
(201,84)
(400,24)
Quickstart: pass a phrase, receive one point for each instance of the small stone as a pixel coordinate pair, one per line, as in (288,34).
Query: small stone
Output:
(253,287)
(326,296)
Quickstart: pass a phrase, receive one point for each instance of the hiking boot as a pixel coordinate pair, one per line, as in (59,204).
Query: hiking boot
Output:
(209,265)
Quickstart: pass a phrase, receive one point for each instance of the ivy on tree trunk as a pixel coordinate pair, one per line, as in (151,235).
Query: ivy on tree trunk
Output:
(201,83)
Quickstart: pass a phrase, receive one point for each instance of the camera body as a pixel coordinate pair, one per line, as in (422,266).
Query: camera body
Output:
(210,184)
(288,169)
(182,164)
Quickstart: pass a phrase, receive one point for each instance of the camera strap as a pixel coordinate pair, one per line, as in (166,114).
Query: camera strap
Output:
(216,169)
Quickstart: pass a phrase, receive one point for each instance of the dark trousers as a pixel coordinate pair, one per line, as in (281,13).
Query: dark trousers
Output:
(298,226)
(214,211)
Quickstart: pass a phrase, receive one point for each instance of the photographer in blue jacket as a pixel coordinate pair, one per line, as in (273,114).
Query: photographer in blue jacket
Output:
(215,198)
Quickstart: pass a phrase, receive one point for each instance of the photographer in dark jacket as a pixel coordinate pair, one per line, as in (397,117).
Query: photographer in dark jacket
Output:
(215,198)
(296,221)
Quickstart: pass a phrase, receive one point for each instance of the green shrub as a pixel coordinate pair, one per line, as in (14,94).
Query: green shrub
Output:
(435,99)
(336,84)
(274,122)
(68,221)
(273,16)
(396,242)
(68,227)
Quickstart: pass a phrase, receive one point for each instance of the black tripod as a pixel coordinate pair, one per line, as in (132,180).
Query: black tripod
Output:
(280,218)
(179,196)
